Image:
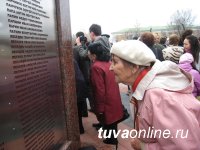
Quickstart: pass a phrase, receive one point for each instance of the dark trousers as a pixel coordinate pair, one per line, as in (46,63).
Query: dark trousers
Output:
(83,107)
(112,127)
(79,105)
(90,97)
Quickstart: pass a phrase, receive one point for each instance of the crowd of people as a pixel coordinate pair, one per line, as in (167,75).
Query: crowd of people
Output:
(101,89)
(164,77)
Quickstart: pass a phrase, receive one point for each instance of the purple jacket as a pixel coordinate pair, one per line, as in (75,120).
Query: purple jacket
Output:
(185,64)
(166,103)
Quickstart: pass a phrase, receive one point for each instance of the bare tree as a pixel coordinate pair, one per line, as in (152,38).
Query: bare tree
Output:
(180,20)
(133,32)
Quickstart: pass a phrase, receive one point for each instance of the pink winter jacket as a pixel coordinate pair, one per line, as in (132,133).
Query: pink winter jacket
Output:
(166,102)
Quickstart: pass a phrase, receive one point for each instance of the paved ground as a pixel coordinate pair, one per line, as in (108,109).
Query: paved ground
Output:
(90,137)
(125,100)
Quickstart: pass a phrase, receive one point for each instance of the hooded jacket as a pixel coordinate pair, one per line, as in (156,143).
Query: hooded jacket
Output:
(104,41)
(173,53)
(165,103)
(185,63)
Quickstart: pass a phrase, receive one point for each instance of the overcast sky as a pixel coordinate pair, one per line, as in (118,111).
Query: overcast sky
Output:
(114,15)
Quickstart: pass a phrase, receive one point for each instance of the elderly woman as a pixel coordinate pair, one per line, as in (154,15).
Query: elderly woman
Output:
(108,105)
(162,95)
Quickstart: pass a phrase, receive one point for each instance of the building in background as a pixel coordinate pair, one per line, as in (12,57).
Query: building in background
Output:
(130,33)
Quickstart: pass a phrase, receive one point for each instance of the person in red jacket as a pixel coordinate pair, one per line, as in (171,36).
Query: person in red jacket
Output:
(107,100)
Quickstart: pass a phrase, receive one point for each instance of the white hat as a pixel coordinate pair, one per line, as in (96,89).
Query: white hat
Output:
(186,58)
(134,51)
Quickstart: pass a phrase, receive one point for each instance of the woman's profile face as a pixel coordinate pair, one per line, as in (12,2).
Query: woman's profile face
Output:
(122,70)
(186,45)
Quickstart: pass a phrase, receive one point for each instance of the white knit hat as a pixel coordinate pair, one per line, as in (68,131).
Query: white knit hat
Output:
(186,58)
(134,51)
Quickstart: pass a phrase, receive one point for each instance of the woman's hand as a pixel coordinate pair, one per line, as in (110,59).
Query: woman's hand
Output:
(136,144)
(133,101)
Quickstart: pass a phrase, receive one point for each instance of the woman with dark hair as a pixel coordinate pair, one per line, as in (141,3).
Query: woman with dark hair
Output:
(100,52)
(108,106)
(183,35)
(191,45)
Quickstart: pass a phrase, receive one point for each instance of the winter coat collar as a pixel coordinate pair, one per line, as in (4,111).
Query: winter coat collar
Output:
(165,75)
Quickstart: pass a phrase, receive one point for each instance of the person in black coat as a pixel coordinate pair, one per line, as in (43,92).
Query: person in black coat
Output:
(148,39)
(80,55)
(80,93)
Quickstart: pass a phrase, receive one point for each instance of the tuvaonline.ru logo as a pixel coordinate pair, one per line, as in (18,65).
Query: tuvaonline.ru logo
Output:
(150,133)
